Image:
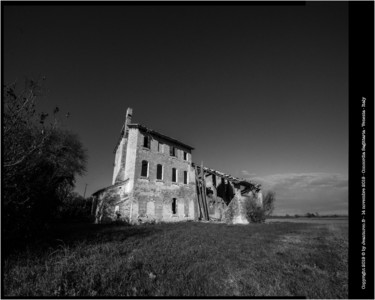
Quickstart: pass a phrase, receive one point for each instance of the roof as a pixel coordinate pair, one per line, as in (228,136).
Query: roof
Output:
(151,131)
(109,187)
(248,184)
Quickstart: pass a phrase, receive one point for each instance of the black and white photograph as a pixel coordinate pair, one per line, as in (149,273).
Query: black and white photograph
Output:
(187,149)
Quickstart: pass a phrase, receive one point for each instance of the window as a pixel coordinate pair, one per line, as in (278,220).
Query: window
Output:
(172,151)
(159,172)
(185,155)
(174,206)
(146,141)
(185,177)
(174,175)
(160,147)
(144,170)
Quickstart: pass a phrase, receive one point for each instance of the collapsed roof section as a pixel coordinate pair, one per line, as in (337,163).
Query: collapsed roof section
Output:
(248,185)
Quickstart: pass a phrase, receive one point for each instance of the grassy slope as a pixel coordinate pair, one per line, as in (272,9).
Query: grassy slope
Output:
(186,259)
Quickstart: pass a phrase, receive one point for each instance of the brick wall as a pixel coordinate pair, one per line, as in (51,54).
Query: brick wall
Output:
(162,192)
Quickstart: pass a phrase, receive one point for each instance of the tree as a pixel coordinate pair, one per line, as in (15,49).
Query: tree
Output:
(75,207)
(258,213)
(40,162)
(269,203)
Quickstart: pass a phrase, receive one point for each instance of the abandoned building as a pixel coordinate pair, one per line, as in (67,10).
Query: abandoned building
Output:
(155,179)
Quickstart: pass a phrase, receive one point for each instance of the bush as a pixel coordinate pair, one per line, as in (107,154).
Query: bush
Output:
(310,215)
(75,207)
(269,203)
(256,213)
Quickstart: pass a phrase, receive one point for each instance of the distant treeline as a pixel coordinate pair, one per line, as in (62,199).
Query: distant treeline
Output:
(309,215)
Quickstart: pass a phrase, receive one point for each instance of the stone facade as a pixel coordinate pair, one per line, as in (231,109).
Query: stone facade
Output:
(154,180)
(142,193)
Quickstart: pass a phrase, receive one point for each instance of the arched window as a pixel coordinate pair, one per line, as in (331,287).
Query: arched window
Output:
(146,141)
(144,170)
(159,172)
(174,175)
(185,177)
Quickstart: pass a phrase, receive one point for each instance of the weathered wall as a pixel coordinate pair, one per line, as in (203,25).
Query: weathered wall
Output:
(216,207)
(118,170)
(240,212)
(113,203)
(137,198)
(153,198)
(121,150)
(130,162)
(154,201)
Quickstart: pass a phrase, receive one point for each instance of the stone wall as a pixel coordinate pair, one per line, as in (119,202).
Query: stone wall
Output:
(130,160)
(118,170)
(154,201)
(154,197)
(113,203)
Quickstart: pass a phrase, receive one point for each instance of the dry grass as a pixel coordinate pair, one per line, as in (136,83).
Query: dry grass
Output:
(186,259)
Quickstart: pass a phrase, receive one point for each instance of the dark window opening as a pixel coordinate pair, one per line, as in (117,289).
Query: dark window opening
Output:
(185,155)
(160,147)
(172,151)
(185,177)
(174,206)
(174,175)
(159,172)
(146,141)
(225,191)
(144,169)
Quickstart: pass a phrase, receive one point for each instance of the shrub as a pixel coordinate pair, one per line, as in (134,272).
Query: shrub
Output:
(75,207)
(310,215)
(269,203)
(256,213)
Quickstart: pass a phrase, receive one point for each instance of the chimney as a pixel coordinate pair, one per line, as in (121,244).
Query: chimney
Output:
(128,120)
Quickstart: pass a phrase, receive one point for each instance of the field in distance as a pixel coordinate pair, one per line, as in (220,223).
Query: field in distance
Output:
(314,220)
(185,259)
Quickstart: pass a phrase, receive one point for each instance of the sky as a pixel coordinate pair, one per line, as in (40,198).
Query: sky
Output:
(260,91)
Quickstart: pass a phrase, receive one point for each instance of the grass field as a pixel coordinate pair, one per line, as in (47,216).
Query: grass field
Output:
(185,259)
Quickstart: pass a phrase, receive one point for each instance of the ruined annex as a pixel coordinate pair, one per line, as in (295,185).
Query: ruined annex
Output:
(155,180)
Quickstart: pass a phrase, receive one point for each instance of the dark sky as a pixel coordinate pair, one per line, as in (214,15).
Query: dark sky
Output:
(260,91)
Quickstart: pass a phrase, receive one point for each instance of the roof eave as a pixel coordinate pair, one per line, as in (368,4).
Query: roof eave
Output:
(144,128)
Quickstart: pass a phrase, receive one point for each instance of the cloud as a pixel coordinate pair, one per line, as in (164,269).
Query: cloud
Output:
(247,174)
(307,192)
